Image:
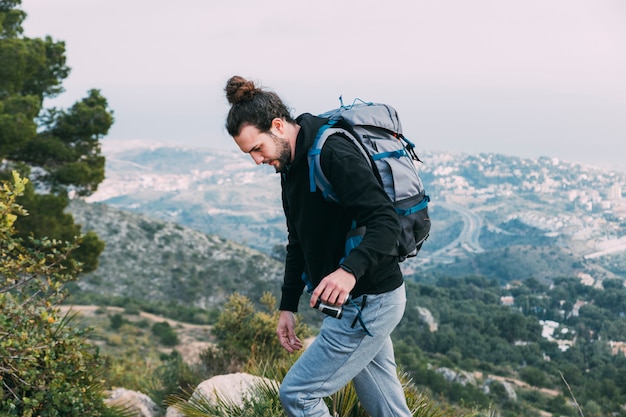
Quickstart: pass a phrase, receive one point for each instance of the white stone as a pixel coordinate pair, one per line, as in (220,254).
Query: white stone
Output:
(232,388)
(139,403)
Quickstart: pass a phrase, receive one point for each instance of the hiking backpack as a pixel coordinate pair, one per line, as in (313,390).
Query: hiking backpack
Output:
(388,152)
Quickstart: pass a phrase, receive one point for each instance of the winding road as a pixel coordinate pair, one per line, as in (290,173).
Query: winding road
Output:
(467,240)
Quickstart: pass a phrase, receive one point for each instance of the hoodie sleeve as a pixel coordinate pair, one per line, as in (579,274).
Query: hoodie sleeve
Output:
(293,284)
(361,194)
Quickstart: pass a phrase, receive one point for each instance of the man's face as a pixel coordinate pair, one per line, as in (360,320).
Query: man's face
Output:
(264,148)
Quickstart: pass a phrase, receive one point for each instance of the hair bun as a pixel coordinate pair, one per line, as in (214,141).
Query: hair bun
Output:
(238,89)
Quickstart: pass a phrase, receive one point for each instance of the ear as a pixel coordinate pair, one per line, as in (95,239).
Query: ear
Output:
(279,125)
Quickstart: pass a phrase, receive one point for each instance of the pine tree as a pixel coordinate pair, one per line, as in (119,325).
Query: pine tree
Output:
(58,150)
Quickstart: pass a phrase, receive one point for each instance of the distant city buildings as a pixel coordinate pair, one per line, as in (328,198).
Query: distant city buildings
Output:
(507,300)
(615,192)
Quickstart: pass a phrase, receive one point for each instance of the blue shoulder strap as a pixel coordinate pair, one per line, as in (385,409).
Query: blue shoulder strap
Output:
(317,179)
(316,175)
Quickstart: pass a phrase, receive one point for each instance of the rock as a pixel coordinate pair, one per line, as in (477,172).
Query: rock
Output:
(233,388)
(172,412)
(461,377)
(508,388)
(138,403)
(428,318)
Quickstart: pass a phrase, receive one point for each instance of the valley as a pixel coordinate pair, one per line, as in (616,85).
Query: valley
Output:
(479,204)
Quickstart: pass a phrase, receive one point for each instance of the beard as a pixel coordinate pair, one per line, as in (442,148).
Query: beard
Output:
(283,153)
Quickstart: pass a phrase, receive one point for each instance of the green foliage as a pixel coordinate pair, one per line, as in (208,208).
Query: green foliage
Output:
(166,334)
(10,18)
(46,366)
(172,310)
(263,402)
(472,322)
(476,332)
(533,376)
(173,377)
(116,321)
(58,150)
(68,148)
(132,370)
(48,218)
(245,334)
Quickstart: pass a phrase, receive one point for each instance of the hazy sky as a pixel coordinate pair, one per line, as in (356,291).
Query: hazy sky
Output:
(520,77)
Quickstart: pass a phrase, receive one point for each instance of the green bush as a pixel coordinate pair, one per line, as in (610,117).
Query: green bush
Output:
(166,334)
(247,335)
(117,321)
(46,367)
(173,377)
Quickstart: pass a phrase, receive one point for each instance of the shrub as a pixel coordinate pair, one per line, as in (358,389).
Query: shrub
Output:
(117,321)
(247,335)
(46,366)
(166,334)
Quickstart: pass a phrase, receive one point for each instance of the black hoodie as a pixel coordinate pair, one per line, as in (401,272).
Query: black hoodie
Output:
(317,228)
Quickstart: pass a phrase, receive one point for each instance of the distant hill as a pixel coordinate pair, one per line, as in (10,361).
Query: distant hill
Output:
(502,217)
(157,261)
(215,192)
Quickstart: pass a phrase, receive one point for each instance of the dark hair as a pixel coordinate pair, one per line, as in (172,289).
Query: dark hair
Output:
(252,106)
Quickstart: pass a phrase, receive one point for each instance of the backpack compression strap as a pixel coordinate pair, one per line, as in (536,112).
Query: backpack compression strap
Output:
(415,208)
(398,153)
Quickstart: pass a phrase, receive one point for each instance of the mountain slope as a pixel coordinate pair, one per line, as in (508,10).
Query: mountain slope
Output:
(216,192)
(153,260)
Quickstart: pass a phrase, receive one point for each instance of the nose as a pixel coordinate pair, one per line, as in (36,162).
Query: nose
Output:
(256,157)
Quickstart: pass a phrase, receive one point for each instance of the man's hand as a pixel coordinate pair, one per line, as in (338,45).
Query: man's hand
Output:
(334,288)
(285,331)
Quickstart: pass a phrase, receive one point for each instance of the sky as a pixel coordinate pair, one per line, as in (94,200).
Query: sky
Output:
(524,78)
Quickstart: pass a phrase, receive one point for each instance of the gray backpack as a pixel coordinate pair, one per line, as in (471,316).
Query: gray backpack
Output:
(380,139)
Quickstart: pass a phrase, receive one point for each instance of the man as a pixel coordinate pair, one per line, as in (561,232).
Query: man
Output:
(368,280)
